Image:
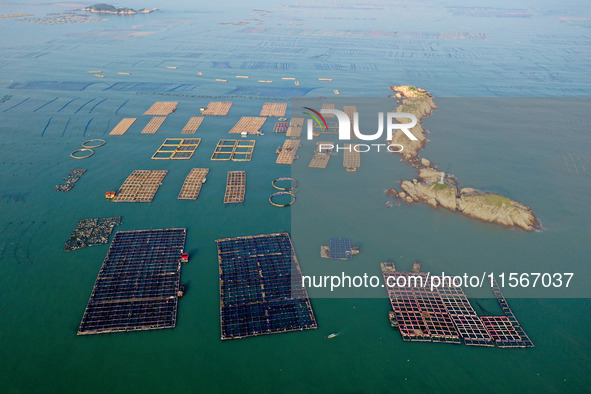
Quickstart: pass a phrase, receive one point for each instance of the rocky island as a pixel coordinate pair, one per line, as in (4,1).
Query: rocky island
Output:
(109,9)
(437,188)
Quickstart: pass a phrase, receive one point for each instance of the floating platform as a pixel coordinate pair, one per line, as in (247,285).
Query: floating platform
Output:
(287,153)
(217,108)
(153,125)
(162,108)
(90,232)
(295,128)
(193,183)
(140,186)
(192,125)
(502,331)
(122,126)
(280,127)
(138,284)
(321,155)
(444,314)
(235,187)
(274,109)
(328,106)
(177,149)
(351,158)
(236,150)
(249,125)
(71,179)
(510,315)
(261,289)
(339,249)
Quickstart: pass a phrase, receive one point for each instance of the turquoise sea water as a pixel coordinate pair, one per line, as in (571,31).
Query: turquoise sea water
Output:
(532,63)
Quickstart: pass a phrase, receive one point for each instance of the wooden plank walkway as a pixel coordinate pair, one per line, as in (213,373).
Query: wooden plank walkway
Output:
(192,185)
(122,126)
(217,108)
(235,187)
(140,186)
(153,125)
(274,109)
(249,124)
(162,108)
(192,125)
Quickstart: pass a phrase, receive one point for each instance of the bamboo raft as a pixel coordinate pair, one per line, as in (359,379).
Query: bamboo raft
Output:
(295,128)
(217,108)
(192,125)
(140,186)
(153,125)
(270,298)
(235,187)
(248,124)
(236,150)
(287,153)
(288,79)
(321,156)
(122,126)
(177,149)
(243,76)
(351,158)
(274,109)
(193,183)
(325,79)
(162,108)
(138,285)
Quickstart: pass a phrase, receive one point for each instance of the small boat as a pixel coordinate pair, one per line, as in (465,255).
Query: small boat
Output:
(184,257)
(110,195)
(181,291)
(332,335)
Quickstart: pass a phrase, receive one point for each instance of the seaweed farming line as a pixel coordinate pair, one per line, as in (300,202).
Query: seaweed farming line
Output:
(84,105)
(16,105)
(47,103)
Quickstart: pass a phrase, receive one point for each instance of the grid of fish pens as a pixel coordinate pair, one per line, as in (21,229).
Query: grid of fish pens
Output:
(138,283)
(260,287)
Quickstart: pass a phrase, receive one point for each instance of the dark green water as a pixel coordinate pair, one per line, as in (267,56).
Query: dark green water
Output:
(531,158)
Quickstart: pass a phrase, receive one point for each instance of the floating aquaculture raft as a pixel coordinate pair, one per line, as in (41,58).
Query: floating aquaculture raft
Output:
(235,187)
(287,153)
(260,287)
(249,125)
(140,186)
(71,179)
(192,186)
(138,283)
(295,128)
(192,125)
(122,126)
(153,125)
(90,232)
(177,149)
(236,150)
(444,314)
(162,108)
(217,108)
(321,155)
(274,109)
(351,158)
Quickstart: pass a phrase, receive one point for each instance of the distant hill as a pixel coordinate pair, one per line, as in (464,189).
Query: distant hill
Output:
(109,9)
